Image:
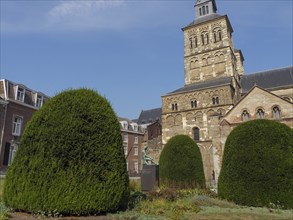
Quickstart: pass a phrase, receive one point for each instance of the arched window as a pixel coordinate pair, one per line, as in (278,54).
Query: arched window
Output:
(202,39)
(203,10)
(217,35)
(190,39)
(260,113)
(207,9)
(193,104)
(196,133)
(276,112)
(200,12)
(245,116)
(195,40)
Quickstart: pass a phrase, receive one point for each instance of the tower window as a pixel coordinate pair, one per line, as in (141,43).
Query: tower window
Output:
(193,104)
(203,10)
(195,39)
(215,100)
(276,113)
(245,116)
(196,133)
(260,114)
(217,35)
(207,9)
(174,107)
(190,39)
(200,12)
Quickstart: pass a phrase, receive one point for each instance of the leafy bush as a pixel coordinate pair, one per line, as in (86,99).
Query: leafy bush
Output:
(70,159)
(181,164)
(258,164)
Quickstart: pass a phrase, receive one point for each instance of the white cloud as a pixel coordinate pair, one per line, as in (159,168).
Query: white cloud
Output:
(78,14)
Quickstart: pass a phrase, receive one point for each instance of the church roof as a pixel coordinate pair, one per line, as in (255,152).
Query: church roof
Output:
(269,79)
(203,19)
(204,85)
(150,116)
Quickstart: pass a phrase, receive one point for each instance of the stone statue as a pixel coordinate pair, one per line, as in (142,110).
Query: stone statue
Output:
(146,159)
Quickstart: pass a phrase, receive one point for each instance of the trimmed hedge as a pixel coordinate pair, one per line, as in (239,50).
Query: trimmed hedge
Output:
(257,165)
(70,159)
(181,164)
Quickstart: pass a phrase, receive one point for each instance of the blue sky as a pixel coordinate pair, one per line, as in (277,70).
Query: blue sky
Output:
(130,51)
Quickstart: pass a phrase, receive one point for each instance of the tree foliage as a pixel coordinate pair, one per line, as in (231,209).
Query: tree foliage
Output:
(70,158)
(181,164)
(257,165)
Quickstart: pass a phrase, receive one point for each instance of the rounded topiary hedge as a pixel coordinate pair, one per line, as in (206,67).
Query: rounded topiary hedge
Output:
(257,167)
(181,163)
(70,159)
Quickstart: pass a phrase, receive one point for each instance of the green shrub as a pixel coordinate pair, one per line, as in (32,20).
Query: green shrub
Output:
(258,165)
(181,164)
(70,159)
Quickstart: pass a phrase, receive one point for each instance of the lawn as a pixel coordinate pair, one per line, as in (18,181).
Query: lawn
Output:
(176,205)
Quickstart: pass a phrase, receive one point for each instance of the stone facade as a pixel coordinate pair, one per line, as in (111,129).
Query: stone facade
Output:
(214,97)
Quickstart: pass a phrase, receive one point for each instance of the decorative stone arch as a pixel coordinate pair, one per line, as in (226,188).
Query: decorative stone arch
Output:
(194,62)
(221,111)
(190,118)
(211,113)
(178,120)
(170,120)
(199,118)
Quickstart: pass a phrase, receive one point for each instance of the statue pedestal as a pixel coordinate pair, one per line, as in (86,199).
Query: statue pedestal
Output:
(149,177)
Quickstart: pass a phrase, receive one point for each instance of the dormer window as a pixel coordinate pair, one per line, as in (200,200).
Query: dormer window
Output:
(135,127)
(39,101)
(20,94)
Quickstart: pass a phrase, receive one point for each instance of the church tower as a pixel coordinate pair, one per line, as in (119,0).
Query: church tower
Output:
(212,70)
(208,47)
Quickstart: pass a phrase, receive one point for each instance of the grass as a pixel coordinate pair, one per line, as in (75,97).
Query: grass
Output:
(197,204)
(169,204)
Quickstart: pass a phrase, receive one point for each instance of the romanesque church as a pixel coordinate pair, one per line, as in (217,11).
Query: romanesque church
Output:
(218,95)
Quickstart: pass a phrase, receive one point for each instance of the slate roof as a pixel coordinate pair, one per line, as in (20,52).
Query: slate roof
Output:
(203,19)
(150,116)
(269,79)
(203,85)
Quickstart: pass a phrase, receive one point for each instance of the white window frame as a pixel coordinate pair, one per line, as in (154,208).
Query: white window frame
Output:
(17,125)
(125,137)
(20,93)
(12,153)
(39,101)
(135,151)
(125,147)
(135,139)
(135,164)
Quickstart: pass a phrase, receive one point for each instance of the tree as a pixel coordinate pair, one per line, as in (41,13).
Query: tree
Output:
(258,165)
(181,163)
(70,158)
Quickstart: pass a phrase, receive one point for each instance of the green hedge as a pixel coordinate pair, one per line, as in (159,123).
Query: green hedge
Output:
(181,164)
(70,159)
(257,165)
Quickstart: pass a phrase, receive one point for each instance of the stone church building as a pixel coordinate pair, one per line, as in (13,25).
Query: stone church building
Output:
(218,95)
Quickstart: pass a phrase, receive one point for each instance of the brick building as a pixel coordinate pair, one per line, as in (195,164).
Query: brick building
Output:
(17,105)
(132,135)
